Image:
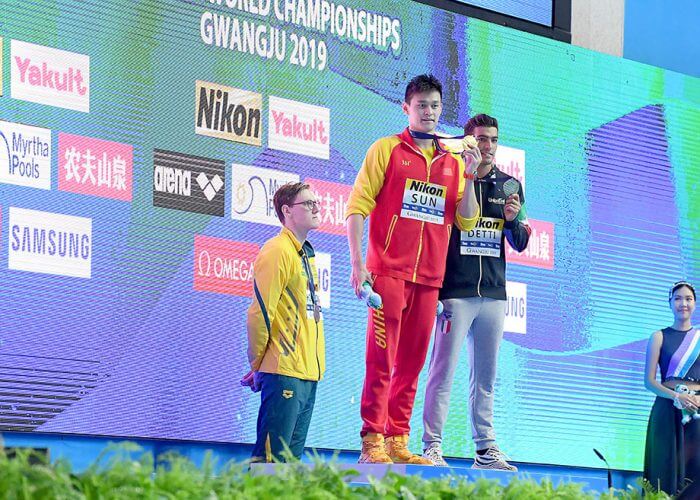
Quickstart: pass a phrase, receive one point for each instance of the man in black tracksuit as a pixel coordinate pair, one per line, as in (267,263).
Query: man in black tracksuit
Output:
(474,296)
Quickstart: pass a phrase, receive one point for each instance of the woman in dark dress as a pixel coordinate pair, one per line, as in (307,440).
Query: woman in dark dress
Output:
(672,457)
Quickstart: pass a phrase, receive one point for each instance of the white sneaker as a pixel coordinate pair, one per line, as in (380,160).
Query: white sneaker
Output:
(434,453)
(493,459)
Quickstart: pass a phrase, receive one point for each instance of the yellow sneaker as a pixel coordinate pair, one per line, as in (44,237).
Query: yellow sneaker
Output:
(397,449)
(373,451)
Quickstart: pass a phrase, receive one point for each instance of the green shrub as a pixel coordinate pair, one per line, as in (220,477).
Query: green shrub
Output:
(123,471)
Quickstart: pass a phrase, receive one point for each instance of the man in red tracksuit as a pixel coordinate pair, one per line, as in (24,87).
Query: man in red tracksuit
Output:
(413,190)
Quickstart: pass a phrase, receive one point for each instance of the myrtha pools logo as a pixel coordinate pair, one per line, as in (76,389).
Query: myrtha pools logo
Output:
(253,189)
(25,155)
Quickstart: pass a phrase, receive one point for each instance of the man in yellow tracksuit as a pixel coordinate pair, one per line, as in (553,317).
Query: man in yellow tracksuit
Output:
(285,328)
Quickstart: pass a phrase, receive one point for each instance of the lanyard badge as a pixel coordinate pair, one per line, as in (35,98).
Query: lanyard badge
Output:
(312,287)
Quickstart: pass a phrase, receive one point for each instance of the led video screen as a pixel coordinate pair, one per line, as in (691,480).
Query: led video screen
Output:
(141,143)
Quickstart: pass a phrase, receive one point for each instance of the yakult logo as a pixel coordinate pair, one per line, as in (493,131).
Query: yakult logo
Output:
(94,167)
(299,128)
(512,162)
(252,191)
(25,155)
(50,76)
(50,243)
(224,266)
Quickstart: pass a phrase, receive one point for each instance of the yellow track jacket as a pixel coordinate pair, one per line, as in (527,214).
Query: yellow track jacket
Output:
(283,335)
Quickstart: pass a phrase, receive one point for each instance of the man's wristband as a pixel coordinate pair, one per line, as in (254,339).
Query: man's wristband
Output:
(469,176)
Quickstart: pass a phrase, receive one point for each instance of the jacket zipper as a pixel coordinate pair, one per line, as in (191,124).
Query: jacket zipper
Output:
(478,283)
(422,224)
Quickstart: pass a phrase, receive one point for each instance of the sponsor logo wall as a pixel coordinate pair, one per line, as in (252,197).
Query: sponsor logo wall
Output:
(51,243)
(46,75)
(187,182)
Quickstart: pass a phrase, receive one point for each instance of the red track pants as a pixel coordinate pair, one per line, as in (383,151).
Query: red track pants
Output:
(398,336)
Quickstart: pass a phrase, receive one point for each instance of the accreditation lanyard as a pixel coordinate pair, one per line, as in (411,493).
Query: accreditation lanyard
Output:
(311,285)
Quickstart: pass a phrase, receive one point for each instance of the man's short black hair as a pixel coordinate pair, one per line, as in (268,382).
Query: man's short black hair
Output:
(481,120)
(422,83)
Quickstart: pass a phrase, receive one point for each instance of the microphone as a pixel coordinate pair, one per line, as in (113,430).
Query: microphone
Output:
(370,297)
(600,455)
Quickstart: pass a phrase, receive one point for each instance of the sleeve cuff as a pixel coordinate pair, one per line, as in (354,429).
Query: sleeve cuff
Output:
(467,223)
(353,211)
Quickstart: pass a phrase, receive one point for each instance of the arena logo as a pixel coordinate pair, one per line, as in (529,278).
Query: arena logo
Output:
(228,113)
(189,183)
(224,266)
(252,190)
(299,128)
(25,155)
(50,243)
(516,308)
(512,162)
(50,76)
(95,167)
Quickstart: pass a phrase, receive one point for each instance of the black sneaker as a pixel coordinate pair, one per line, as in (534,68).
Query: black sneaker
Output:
(493,459)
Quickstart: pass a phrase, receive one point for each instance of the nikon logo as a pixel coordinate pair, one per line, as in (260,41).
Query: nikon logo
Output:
(228,113)
(423,187)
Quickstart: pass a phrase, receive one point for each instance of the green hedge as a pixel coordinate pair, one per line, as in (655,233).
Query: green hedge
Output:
(124,472)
